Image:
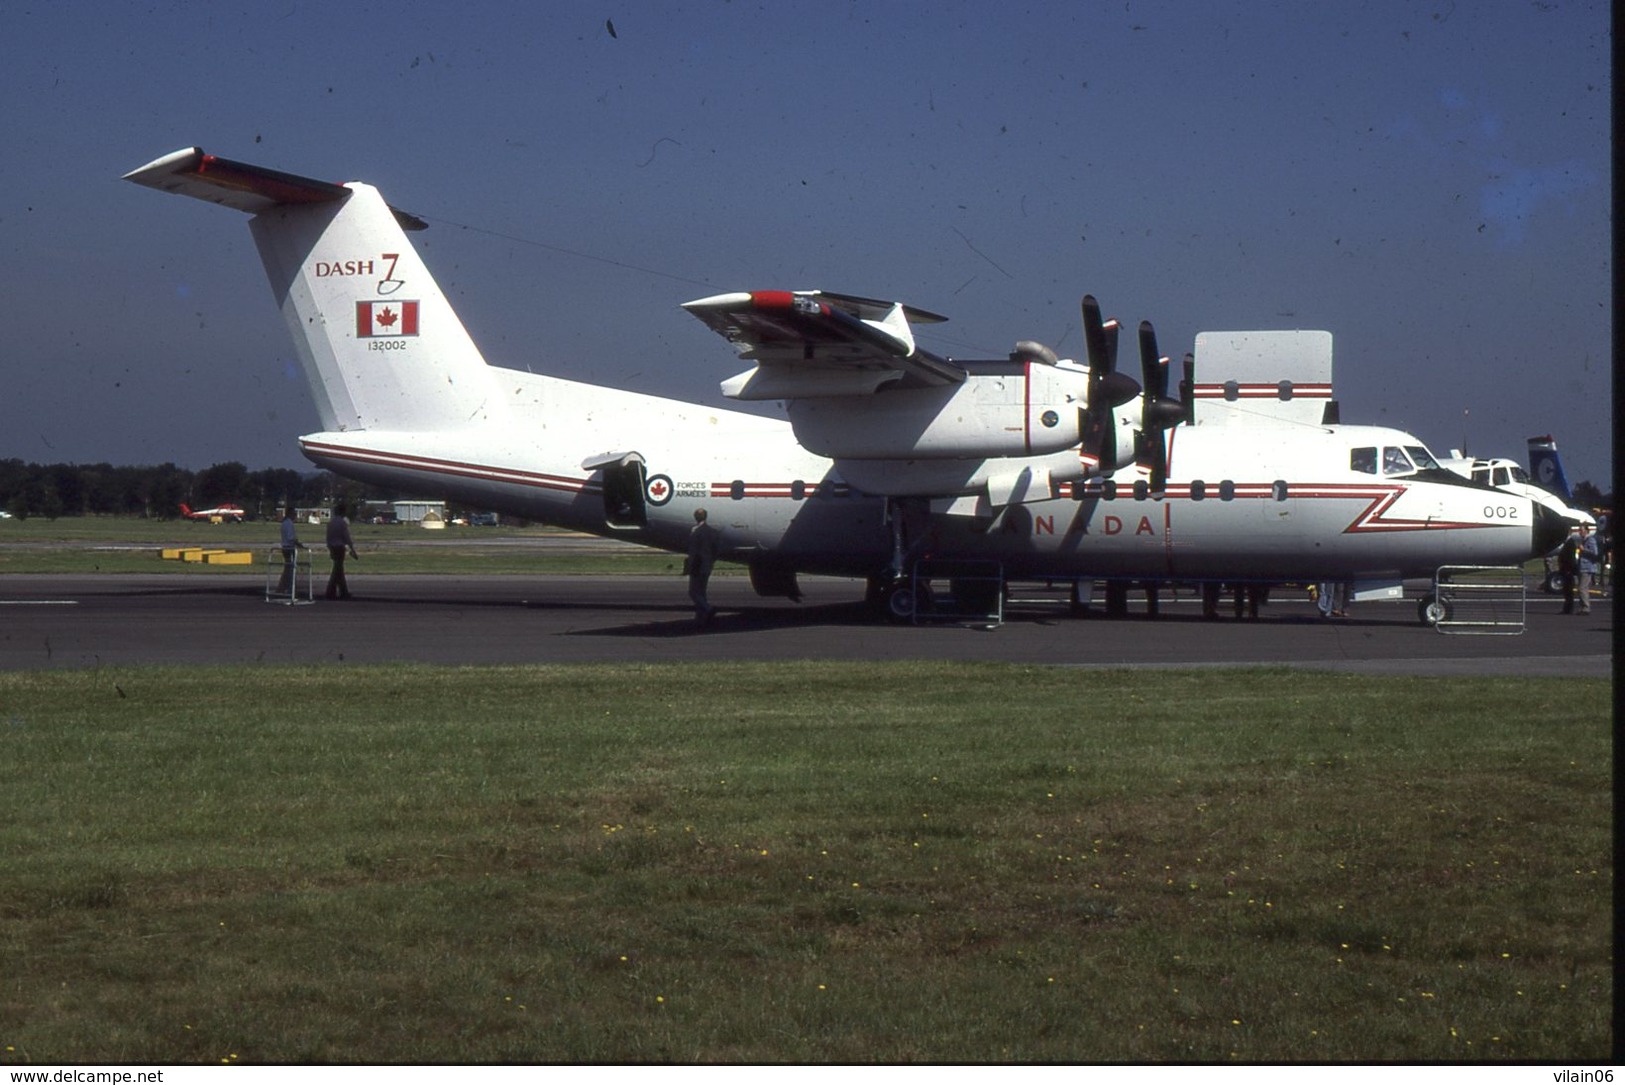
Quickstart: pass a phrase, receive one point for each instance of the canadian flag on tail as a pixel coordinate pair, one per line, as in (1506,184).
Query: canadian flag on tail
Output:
(377,318)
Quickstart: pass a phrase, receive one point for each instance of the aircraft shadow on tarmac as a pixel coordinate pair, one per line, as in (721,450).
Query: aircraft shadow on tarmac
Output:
(769,616)
(751,620)
(857,614)
(178,590)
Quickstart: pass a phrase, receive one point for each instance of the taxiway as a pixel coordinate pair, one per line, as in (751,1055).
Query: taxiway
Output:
(91,621)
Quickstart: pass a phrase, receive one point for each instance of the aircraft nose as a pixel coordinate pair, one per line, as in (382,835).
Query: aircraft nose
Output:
(1549,530)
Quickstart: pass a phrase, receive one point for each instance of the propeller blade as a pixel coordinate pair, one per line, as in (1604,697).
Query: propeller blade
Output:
(1152,375)
(1108,389)
(1094,337)
(1099,438)
(1159,462)
(1157,412)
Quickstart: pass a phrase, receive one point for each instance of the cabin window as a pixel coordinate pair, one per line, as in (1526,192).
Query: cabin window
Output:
(1395,462)
(798,490)
(1284,391)
(1363,460)
(1422,458)
(1142,489)
(1278,490)
(1108,489)
(736,490)
(1198,490)
(1232,391)
(1227,490)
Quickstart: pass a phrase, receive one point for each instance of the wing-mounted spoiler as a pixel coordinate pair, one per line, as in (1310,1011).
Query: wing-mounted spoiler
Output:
(238,185)
(815,343)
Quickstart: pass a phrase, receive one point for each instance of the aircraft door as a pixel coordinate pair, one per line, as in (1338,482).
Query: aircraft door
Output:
(625,508)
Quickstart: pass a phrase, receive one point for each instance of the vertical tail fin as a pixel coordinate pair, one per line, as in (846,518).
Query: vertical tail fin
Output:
(381,346)
(1546,468)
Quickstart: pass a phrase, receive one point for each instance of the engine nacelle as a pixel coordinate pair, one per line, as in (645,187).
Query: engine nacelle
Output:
(1001,409)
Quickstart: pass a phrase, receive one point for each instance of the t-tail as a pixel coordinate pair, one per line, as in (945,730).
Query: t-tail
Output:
(381,347)
(1546,468)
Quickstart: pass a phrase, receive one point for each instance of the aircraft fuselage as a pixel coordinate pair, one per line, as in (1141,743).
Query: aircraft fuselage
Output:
(1288,508)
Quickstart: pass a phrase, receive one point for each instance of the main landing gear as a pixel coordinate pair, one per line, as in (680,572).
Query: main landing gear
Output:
(1431,611)
(892,596)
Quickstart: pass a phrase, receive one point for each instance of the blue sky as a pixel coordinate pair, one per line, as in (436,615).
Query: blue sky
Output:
(1428,181)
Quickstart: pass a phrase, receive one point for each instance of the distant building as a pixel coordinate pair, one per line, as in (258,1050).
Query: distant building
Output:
(413,512)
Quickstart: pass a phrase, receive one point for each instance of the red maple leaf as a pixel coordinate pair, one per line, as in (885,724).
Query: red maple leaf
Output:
(387,317)
(658,489)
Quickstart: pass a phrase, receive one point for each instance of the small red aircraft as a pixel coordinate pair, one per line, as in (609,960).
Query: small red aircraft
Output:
(215,515)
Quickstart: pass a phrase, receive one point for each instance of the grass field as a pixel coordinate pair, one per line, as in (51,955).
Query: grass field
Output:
(801,862)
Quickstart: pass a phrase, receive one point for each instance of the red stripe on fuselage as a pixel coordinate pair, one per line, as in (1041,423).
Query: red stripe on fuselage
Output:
(1371,519)
(459,468)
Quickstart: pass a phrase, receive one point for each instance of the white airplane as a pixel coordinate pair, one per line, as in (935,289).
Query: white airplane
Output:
(214,515)
(1506,475)
(894,463)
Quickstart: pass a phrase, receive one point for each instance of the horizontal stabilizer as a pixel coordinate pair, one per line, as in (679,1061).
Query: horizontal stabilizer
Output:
(238,185)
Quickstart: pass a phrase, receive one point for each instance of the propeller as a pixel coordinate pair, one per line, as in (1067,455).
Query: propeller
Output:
(1158,411)
(1108,389)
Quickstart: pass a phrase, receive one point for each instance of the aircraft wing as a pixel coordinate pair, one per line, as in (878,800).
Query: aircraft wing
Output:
(813,343)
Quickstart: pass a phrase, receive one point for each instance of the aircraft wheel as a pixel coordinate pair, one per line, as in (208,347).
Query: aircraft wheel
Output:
(1553,584)
(900,603)
(1430,611)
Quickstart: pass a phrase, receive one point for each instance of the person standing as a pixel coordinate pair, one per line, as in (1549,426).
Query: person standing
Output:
(338,542)
(290,551)
(1334,598)
(703,543)
(1568,568)
(1605,547)
(1586,568)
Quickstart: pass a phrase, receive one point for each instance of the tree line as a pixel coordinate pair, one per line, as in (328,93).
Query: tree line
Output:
(156,492)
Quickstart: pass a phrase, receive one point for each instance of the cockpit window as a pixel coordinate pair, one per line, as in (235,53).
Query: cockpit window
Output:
(1481,474)
(1363,460)
(1519,475)
(1395,462)
(1422,458)
(1501,477)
